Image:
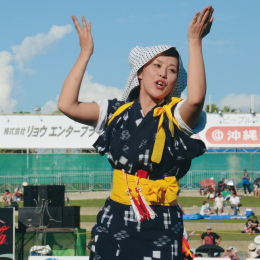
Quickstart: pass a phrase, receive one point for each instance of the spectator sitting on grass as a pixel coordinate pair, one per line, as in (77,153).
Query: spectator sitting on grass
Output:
(226,193)
(211,192)
(233,190)
(254,224)
(7,198)
(205,210)
(203,191)
(234,203)
(248,227)
(258,192)
(255,189)
(257,229)
(231,253)
(219,204)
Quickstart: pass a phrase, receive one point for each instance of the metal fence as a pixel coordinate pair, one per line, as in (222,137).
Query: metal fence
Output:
(102,180)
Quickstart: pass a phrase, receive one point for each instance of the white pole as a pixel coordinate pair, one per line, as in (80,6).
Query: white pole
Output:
(210,103)
(252,103)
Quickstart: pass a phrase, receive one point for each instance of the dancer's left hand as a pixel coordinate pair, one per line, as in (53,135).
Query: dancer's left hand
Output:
(201,24)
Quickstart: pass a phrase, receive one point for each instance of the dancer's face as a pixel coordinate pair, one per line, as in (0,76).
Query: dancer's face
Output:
(157,79)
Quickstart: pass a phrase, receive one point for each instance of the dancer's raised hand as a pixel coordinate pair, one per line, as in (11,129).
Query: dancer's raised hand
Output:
(201,24)
(85,36)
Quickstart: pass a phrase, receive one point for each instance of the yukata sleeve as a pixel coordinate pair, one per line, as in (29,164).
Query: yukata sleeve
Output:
(186,129)
(106,109)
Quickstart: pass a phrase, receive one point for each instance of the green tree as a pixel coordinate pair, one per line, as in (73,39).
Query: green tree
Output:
(227,109)
(214,108)
(57,112)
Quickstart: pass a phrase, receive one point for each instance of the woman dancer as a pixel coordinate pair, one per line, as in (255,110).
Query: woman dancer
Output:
(146,137)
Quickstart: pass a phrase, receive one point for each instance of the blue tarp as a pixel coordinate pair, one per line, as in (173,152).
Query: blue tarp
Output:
(198,216)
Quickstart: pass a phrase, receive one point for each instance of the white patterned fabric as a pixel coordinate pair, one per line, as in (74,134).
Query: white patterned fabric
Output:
(139,56)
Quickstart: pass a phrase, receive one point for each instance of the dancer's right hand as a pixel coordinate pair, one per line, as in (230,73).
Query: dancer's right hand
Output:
(85,37)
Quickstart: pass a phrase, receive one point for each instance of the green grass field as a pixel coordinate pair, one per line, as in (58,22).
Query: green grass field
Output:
(185,202)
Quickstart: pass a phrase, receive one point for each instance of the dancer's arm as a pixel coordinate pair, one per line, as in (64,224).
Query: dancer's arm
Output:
(199,27)
(68,101)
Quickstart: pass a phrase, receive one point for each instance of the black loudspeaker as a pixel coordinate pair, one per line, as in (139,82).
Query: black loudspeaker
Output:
(15,205)
(30,196)
(52,217)
(71,216)
(29,218)
(54,194)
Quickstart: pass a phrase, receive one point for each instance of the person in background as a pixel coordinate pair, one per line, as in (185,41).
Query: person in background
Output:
(233,190)
(251,250)
(226,193)
(257,250)
(219,204)
(257,229)
(203,190)
(221,185)
(205,209)
(231,253)
(210,237)
(258,192)
(18,193)
(255,189)
(7,198)
(255,223)
(248,227)
(211,192)
(234,203)
(246,182)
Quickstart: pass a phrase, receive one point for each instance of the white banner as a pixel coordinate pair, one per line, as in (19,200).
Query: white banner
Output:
(228,130)
(231,130)
(44,131)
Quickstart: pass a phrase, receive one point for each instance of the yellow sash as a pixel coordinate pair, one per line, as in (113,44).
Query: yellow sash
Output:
(160,136)
(159,192)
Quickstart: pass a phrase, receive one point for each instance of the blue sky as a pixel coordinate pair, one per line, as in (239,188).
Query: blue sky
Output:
(39,45)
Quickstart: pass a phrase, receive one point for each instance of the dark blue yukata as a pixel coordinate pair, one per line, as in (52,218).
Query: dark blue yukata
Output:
(128,142)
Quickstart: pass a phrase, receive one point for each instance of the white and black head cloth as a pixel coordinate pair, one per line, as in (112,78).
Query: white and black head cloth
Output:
(139,56)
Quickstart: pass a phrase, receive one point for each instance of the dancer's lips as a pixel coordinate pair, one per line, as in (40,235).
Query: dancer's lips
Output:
(160,84)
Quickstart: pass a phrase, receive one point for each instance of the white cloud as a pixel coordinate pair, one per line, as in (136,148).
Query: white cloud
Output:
(6,83)
(32,46)
(240,101)
(49,107)
(22,54)
(92,90)
(89,91)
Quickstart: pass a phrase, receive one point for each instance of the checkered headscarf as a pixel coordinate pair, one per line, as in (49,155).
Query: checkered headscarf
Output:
(139,56)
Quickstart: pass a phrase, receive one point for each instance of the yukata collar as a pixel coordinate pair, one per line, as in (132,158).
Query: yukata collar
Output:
(162,103)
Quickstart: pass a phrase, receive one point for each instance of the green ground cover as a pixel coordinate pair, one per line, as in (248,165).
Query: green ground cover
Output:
(185,202)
